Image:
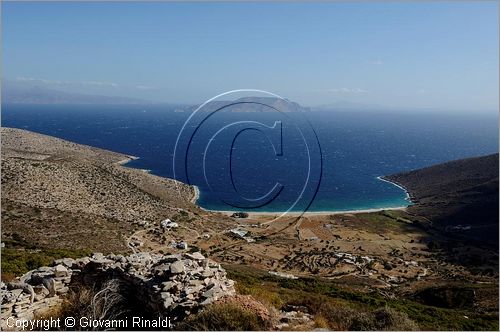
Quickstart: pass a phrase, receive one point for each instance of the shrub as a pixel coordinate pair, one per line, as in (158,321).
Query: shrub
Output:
(384,319)
(390,319)
(361,321)
(262,294)
(321,322)
(106,303)
(224,317)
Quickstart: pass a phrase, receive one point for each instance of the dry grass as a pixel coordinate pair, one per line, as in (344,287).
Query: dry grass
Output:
(224,317)
(106,303)
(383,319)
(321,322)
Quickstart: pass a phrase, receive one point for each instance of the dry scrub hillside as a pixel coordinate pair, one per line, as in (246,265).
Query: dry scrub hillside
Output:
(59,193)
(459,197)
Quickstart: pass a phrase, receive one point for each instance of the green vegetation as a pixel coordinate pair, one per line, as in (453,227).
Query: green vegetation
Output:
(383,221)
(338,308)
(16,262)
(20,256)
(183,217)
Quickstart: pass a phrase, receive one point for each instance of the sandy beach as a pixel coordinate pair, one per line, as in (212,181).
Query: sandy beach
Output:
(311,213)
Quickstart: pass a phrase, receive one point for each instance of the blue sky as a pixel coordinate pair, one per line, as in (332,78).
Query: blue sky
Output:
(441,55)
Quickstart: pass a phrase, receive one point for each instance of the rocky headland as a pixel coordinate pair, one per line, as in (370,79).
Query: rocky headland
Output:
(458,197)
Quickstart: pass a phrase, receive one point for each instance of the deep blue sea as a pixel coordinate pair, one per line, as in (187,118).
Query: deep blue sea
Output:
(356,148)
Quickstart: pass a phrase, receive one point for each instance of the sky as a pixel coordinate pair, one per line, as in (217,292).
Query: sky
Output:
(439,55)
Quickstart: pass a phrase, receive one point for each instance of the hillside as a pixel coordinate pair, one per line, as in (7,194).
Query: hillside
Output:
(60,194)
(458,197)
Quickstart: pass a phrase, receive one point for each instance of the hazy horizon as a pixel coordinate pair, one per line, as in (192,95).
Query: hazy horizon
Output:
(434,56)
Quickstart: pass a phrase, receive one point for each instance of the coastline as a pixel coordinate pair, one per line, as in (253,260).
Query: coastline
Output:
(196,196)
(314,213)
(130,158)
(126,160)
(408,196)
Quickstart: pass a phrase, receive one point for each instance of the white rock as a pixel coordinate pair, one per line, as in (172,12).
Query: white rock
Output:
(60,271)
(177,267)
(168,285)
(196,255)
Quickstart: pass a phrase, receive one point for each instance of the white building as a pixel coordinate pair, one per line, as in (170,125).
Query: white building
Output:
(168,224)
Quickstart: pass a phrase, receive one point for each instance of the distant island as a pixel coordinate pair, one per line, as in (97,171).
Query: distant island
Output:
(21,94)
(253,104)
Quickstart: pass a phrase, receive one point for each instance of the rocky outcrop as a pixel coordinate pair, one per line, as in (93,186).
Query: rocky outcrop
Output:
(166,285)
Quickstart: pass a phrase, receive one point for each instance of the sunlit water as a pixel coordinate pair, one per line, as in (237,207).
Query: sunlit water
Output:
(357,147)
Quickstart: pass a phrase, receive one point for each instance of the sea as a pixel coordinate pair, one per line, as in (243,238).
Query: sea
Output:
(271,161)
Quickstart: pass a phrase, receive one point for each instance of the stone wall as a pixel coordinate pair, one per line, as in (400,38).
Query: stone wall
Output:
(165,285)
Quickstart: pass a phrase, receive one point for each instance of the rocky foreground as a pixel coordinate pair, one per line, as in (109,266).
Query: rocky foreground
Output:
(166,285)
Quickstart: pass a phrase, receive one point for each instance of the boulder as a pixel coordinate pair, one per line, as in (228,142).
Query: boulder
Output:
(50,284)
(161,269)
(60,271)
(212,292)
(168,285)
(177,267)
(196,256)
(67,262)
(168,302)
(97,256)
(171,258)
